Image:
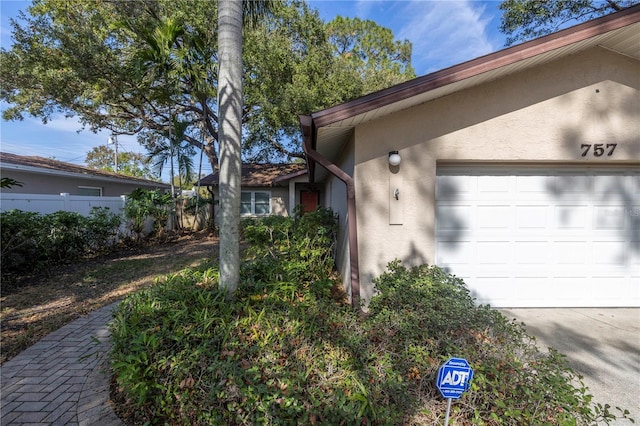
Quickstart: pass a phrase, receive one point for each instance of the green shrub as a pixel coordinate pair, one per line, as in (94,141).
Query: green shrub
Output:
(141,205)
(288,350)
(21,236)
(425,316)
(33,241)
(283,249)
(103,228)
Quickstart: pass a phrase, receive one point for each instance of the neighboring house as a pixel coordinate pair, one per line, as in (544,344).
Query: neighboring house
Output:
(270,189)
(39,175)
(519,171)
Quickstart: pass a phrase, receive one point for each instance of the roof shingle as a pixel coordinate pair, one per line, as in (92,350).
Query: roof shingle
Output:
(61,166)
(260,174)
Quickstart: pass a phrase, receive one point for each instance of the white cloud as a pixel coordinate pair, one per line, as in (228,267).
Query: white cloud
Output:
(445,33)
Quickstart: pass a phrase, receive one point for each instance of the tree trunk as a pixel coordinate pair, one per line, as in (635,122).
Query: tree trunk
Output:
(230,137)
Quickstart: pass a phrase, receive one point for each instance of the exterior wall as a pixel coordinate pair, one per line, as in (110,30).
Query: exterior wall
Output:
(280,202)
(37,183)
(540,116)
(335,197)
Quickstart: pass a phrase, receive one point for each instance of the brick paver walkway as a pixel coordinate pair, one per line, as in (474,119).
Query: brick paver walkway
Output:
(62,379)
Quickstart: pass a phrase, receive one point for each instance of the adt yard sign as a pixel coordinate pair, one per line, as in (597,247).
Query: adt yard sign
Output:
(454,378)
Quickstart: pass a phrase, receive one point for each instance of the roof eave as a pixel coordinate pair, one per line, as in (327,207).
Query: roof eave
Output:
(91,176)
(477,66)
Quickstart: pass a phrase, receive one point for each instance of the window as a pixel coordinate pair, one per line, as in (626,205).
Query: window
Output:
(255,203)
(90,191)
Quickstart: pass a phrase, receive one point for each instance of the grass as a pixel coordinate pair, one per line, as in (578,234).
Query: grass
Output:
(36,305)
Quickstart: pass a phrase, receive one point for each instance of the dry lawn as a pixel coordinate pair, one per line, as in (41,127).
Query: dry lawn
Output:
(41,304)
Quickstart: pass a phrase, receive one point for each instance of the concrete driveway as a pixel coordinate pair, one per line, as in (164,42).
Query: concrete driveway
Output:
(602,344)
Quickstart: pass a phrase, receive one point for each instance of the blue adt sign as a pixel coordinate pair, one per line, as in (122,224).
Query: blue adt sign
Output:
(454,378)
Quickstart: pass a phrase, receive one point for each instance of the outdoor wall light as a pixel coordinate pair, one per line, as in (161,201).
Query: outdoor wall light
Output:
(394,158)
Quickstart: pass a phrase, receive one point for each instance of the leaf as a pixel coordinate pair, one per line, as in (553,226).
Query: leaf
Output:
(187,383)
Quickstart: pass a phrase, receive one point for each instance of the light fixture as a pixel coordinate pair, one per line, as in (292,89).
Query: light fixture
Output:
(394,158)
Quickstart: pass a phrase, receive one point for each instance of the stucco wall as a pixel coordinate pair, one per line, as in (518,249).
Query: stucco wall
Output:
(541,116)
(35,183)
(335,197)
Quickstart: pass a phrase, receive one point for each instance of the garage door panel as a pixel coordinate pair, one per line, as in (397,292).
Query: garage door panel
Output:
(609,217)
(570,252)
(534,290)
(455,252)
(572,216)
(531,253)
(454,187)
(608,253)
(541,237)
(493,289)
(530,217)
(494,252)
(454,216)
(634,256)
(493,187)
(633,215)
(605,186)
(533,187)
(617,290)
(571,185)
(493,217)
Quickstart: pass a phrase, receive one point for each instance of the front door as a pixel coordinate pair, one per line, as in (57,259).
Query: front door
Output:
(309,200)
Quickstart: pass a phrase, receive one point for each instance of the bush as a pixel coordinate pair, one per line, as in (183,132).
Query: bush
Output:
(288,350)
(298,249)
(33,241)
(142,204)
(425,316)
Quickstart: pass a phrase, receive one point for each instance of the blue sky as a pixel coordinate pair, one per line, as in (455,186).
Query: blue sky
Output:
(443,33)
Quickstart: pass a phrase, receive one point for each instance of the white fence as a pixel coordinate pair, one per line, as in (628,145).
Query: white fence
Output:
(50,203)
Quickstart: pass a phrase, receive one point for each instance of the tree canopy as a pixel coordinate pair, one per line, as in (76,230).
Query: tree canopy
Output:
(528,19)
(150,67)
(129,163)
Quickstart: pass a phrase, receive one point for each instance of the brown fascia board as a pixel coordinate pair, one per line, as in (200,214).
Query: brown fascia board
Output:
(477,66)
(308,132)
(290,176)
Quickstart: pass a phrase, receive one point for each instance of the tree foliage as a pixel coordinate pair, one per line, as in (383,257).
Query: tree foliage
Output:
(129,163)
(141,67)
(368,54)
(7,182)
(528,19)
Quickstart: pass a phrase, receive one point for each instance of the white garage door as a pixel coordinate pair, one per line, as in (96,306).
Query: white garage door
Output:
(530,237)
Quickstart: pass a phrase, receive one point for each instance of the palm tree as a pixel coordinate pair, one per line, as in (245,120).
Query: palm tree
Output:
(230,102)
(171,145)
(230,139)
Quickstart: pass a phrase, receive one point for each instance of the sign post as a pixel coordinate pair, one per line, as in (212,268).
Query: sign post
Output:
(454,378)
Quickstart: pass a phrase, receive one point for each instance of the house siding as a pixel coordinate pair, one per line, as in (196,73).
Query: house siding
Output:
(335,197)
(537,117)
(34,183)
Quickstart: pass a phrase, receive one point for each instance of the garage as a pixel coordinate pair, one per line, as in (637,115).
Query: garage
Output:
(541,237)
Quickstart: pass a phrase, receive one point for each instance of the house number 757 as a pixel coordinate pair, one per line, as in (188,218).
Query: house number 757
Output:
(599,149)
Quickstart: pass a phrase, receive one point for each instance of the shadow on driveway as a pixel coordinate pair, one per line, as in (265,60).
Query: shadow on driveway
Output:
(601,344)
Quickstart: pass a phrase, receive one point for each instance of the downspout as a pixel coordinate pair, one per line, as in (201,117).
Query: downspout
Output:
(308,136)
